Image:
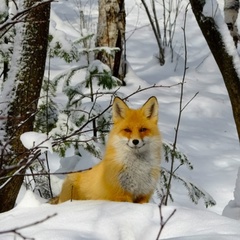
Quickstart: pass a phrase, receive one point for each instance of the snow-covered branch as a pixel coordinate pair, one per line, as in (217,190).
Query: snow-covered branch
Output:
(19,17)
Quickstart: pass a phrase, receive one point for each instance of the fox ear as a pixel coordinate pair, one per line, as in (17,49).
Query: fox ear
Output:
(150,108)
(119,109)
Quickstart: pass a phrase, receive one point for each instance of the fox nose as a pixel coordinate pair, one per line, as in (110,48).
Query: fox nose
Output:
(135,142)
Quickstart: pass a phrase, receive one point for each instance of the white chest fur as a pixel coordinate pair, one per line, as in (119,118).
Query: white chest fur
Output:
(137,175)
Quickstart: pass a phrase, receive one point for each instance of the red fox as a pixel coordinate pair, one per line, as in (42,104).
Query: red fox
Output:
(130,168)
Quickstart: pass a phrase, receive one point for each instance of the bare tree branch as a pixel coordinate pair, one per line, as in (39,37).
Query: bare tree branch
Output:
(162,222)
(17,229)
(181,108)
(18,17)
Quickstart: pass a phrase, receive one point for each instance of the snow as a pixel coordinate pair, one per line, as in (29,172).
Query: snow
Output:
(97,65)
(113,220)
(3,10)
(232,209)
(34,139)
(207,136)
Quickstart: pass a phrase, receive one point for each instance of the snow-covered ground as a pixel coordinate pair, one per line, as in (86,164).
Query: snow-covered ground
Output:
(114,220)
(207,136)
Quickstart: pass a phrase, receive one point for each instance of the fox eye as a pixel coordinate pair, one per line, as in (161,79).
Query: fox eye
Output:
(142,129)
(127,130)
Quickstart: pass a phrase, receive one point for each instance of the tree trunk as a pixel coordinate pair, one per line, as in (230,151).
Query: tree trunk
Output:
(111,33)
(224,61)
(25,79)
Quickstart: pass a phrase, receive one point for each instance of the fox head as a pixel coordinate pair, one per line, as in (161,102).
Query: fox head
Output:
(135,128)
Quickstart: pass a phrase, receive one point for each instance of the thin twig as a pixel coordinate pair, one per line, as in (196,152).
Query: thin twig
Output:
(16,230)
(180,108)
(162,222)
(76,132)
(17,17)
(190,101)
(43,174)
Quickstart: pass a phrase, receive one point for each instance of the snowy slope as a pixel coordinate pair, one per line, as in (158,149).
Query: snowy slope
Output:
(113,220)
